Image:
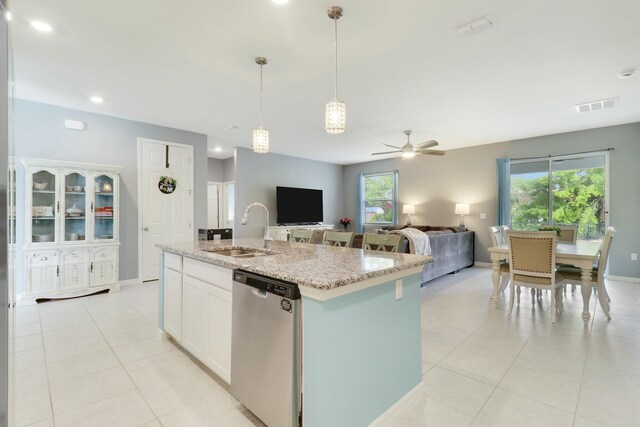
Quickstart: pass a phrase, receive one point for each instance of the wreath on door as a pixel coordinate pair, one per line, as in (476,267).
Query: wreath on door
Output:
(167,185)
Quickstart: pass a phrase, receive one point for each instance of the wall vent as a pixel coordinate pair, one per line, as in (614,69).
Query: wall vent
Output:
(603,104)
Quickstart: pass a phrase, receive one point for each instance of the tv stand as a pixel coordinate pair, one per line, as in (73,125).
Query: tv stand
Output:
(281,232)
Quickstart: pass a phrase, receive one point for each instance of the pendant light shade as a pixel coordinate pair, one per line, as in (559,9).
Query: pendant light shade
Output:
(260,136)
(335,119)
(260,140)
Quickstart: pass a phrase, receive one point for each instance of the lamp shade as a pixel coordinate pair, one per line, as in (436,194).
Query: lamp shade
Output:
(408,209)
(462,209)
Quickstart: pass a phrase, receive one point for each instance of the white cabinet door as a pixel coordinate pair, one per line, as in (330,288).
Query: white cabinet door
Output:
(42,272)
(194,316)
(74,272)
(104,265)
(218,350)
(173,303)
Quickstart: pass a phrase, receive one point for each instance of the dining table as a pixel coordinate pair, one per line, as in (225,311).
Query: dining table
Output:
(580,254)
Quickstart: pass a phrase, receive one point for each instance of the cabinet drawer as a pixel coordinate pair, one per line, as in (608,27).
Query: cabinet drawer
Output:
(40,258)
(209,273)
(104,253)
(173,261)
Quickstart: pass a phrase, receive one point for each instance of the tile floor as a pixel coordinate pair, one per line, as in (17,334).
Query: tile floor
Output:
(97,361)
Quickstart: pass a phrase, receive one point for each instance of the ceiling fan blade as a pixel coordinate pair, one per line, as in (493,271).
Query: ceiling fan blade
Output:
(386,152)
(393,146)
(432,152)
(426,144)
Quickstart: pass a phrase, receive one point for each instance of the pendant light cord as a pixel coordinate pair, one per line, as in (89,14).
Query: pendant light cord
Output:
(335,45)
(260,96)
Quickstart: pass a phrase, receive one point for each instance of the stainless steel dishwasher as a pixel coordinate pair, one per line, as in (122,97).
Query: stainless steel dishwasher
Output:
(265,348)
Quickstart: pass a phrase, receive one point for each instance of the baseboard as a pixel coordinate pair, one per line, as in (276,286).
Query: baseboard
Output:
(624,279)
(400,406)
(135,281)
(482,264)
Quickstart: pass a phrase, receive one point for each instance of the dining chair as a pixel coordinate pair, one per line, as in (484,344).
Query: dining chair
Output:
(573,275)
(498,240)
(338,238)
(568,233)
(503,230)
(300,235)
(381,242)
(532,258)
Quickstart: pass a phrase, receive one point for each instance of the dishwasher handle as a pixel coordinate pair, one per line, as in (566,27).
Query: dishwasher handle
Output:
(259,293)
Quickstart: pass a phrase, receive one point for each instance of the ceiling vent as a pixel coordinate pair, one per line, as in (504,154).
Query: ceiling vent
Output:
(477,26)
(603,104)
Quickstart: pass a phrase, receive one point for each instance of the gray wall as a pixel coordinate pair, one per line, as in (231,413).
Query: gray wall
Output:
(215,169)
(256,178)
(229,173)
(435,184)
(40,133)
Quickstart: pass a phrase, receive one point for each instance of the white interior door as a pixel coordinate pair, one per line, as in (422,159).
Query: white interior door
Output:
(165,218)
(213,205)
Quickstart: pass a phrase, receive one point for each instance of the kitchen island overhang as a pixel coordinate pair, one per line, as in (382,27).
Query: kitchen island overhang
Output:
(361,336)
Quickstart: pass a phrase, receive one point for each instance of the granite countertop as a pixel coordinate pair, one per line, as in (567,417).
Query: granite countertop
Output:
(316,266)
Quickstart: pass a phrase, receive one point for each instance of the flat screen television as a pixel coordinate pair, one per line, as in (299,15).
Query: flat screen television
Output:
(298,205)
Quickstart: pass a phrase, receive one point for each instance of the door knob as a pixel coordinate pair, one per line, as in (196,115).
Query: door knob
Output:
(146,229)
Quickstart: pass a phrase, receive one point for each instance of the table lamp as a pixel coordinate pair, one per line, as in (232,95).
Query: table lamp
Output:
(462,209)
(408,210)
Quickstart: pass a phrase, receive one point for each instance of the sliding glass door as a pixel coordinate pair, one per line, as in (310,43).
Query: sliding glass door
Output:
(560,191)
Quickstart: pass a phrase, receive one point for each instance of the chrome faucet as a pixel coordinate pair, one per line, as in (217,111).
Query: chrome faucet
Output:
(266,237)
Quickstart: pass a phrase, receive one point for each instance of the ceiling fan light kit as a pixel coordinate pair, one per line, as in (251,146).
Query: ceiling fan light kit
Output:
(260,136)
(335,118)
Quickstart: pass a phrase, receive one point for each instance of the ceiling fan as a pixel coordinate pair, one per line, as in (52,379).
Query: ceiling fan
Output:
(409,150)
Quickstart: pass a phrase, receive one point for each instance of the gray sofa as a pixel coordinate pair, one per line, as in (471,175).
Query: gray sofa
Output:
(452,249)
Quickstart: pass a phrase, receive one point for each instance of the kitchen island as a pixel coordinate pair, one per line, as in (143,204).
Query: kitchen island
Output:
(360,319)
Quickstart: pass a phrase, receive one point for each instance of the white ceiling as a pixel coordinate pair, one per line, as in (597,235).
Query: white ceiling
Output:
(189,64)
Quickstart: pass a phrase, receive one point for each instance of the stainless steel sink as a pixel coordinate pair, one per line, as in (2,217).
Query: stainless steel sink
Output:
(238,253)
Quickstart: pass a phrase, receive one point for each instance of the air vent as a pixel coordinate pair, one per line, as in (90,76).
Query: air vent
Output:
(603,104)
(477,26)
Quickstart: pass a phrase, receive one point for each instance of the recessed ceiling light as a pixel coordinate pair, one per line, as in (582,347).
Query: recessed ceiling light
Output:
(217,149)
(41,26)
(232,127)
(97,99)
(8,16)
(280,1)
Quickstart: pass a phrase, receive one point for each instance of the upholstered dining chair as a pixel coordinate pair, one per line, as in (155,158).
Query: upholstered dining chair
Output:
(381,242)
(497,240)
(300,235)
(568,233)
(532,259)
(338,238)
(573,275)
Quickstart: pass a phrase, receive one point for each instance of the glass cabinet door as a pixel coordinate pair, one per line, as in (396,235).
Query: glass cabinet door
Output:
(43,206)
(103,228)
(75,203)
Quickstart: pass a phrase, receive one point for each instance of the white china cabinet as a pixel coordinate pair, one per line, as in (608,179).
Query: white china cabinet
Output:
(71,228)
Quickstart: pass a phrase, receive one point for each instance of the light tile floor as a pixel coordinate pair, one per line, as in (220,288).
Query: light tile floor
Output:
(98,361)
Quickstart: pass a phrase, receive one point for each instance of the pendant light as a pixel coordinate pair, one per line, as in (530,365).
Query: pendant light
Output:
(336,111)
(260,135)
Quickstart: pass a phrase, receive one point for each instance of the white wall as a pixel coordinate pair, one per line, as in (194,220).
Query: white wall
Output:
(258,175)
(435,184)
(215,170)
(40,133)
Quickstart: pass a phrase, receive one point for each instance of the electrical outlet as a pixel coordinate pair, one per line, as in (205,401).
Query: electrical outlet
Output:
(398,288)
(483,216)
(634,257)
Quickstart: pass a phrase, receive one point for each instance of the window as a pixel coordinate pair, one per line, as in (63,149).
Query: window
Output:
(560,190)
(379,202)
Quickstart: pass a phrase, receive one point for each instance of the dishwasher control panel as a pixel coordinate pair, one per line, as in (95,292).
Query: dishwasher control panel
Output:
(267,284)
